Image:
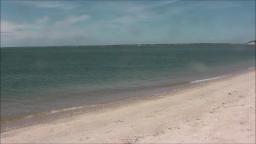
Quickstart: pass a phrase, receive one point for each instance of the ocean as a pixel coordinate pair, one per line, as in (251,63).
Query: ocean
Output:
(51,79)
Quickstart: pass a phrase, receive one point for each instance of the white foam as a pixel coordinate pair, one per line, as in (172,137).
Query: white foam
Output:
(70,109)
(251,68)
(207,79)
(66,109)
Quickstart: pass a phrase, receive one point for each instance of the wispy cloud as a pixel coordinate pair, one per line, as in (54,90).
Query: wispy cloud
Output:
(140,12)
(151,6)
(11,27)
(43,20)
(217,5)
(14,27)
(40,30)
(65,5)
(72,20)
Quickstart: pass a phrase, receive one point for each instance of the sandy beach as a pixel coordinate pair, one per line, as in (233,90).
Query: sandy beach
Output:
(217,111)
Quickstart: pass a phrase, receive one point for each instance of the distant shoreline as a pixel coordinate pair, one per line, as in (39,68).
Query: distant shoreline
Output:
(126,45)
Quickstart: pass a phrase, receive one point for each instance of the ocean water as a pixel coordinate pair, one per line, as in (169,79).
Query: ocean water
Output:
(43,79)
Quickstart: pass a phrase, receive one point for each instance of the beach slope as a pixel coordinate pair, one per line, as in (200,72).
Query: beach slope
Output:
(217,111)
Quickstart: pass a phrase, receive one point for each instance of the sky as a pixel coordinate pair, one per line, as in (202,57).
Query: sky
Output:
(107,22)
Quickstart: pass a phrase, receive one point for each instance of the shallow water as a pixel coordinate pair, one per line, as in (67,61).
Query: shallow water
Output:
(41,79)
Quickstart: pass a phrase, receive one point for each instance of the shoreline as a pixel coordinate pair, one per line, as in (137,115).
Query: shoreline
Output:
(154,93)
(103,116)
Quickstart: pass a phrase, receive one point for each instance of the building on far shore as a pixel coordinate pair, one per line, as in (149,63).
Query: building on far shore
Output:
(252,42)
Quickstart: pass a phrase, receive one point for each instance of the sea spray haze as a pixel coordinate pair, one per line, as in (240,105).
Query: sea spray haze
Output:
(42,79)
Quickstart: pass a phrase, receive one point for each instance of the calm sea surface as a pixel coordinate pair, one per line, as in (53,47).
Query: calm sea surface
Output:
(41,79)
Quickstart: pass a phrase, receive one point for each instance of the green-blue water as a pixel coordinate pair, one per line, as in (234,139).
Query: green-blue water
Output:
(46,78)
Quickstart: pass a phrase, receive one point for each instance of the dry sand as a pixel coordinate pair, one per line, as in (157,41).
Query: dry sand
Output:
(219,111)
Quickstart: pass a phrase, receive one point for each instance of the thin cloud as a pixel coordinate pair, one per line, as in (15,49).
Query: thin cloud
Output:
(5,33)
(140,8)
(218,4)
(51,4)
(72,20)
(141,12)
(12,27)
(123,22)
(43,20)
(40,30)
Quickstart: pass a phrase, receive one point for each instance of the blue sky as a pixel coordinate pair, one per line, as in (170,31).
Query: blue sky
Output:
(101,22)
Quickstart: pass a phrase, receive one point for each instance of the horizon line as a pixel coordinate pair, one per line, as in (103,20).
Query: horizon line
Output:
(122,44)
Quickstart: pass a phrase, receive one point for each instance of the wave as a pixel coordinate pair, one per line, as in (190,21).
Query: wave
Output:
(207,79)
(251,68)
(69,109)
